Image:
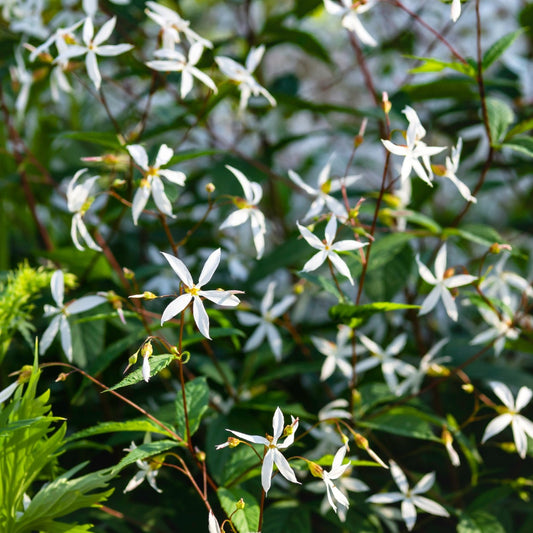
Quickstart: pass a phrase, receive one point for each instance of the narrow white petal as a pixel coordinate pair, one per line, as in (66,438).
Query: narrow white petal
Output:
(66,339)
(284,468)
(139,155)
(160,198)
(57,285)
(220,297)
(341,266)
(92,69)
(277,424)
(496,426)
(200,317)
(331,230)
(146,369)
(440,262)
(449,303)
(174,176)
(523,398)
(430,506)
(175,307)
(178,266)
(186,83)
(266,470)
(315,261)
(409,514)
(49,334)
(399,477)
(84,304)
(235,219)
(430,301)
(164,155)
(504,394)
(105,31)
(255,339)
(274,340)
(424,484)
(111,50)
(312,239)
(425,273)
(256,439)
(209,268)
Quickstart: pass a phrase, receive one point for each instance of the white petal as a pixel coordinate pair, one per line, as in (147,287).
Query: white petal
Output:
(440,262)
(312,239)
(277,424)
(105,31)
(386,497)
(175,307)
(266,470)
(459,280)
(341,266)
(331,230)
(160,198)
(248,319)
(274,340)
(186,83)
(345,246)
(178,266)
(257,220)
(84,304)
(399,477)
(430,506)
(66,340)
(200,316)
(88,30)
(174,176)
(235,219)
(425,273)
(449,303)
(256,439)
(209,268)
(135,481)
(6,393)
(430,301)
(220,297)
(255,339)
(57,285)
(496,426)
(254,57)
(243,180)
(113,49)
(284,468)
(164,155)
(139,155)
(281,307)
(409,514)
(92,69)
(523,398)
(424,484)
(300,183)
(146,369)
(504,394)
(315,261)
(49,334)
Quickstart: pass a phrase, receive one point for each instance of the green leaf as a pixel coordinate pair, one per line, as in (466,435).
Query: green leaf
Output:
(501,116)
(436,65)
(325,283)
(345,312)
(521,127)
(499,47)
(406,421)
(477,233)
(187,155)
(415,218)
(520,144)
(197,397)
(157,363)
(245,520)
(462,89)
(114,427)
(109,140)
(143,451)
(479,522)
(287,516)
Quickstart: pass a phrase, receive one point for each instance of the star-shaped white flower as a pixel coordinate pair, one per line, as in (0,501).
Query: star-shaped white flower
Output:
(78,202)
(152,183)
(452,165)
(243,76)
(62,312)
(349,10)
(442,285)
(390,366)
(248,210)
(320,194)
(265,322)
(521,426)
(414,149)
(337,470)
(412,383)
(146,471)
(174,61)
(336,353)
(273,455)
(329,250)
(172,25)
(194,293)
(501,329)
(410,498)
(94,47)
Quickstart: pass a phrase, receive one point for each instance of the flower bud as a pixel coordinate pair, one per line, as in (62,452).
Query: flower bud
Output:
(240,504)
(468,388)
(147,349)
(316,470)
(25,374)
(385,103)
(128,274)
(210,188)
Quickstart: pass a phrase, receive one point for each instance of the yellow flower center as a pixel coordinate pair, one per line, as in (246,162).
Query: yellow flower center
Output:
(193,291)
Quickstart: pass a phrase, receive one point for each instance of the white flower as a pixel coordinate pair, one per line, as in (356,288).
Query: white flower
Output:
(337,470)
(350,19)
(174,61)
(499,282)
(194,293)
(452,165)
(146,471)
(265,323)
(413,381)
(273,455)
(62,312)
(455,11)
(336,353)
(152,182)
(243,75)
(501,329)
(24,78)
(520,425)
(78,201)
(329,250)
(390,366)
(248,210)
(172,25)
(442,285)
(414,149)
(410,498)
(320,194)
(93,47)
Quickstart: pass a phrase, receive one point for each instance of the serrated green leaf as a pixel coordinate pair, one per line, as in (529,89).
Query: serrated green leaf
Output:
(157,363)
(499,47)
(521,144)
(197,397)
(345,312)
(115,427)
(245,520)
(408,422)
(479,522)
(500,116)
